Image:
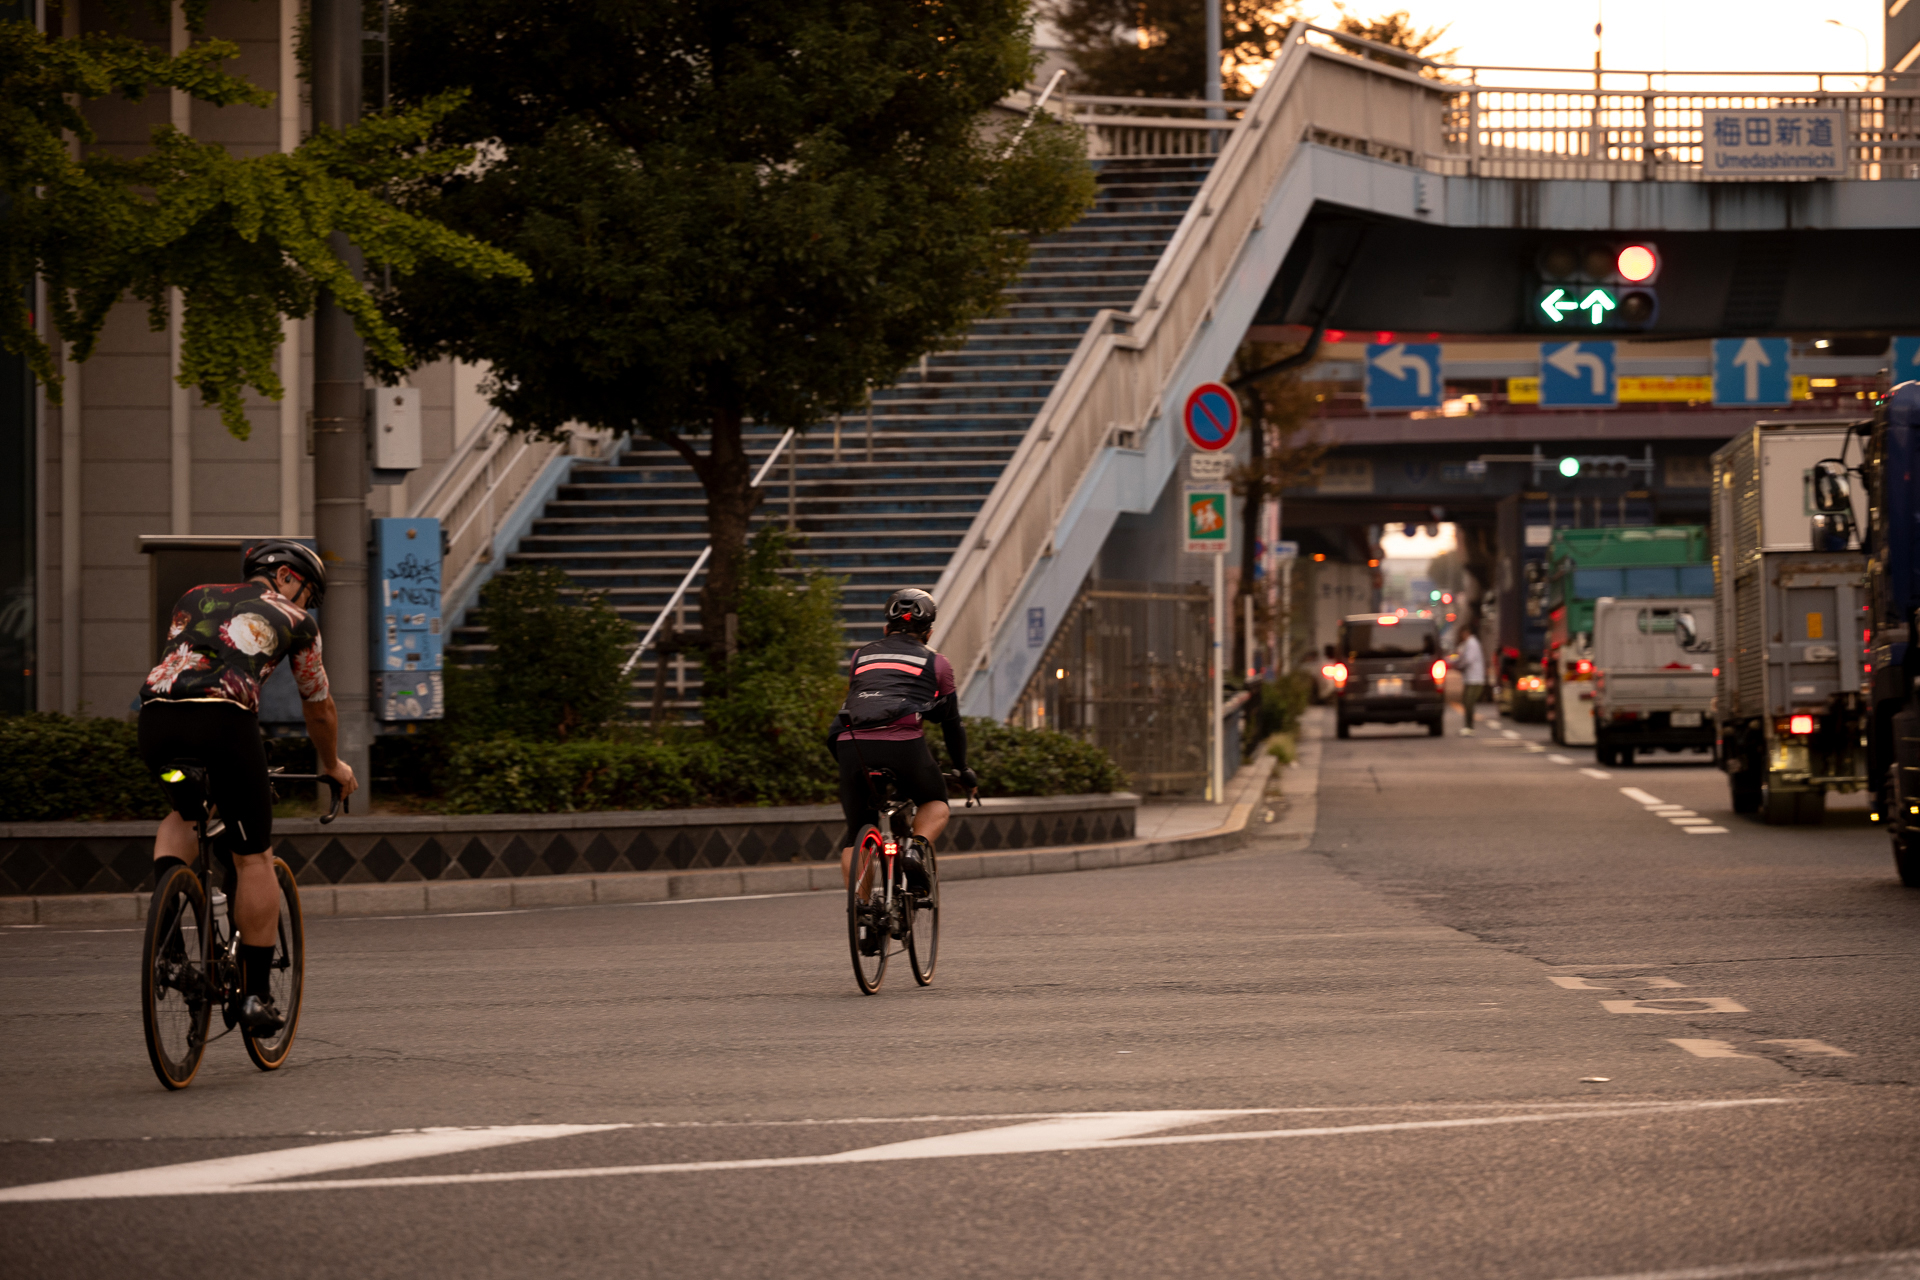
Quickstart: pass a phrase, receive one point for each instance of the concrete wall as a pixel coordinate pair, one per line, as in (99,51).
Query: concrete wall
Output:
(143,444)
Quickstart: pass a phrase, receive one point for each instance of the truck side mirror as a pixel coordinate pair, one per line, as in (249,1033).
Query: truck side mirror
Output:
(1687,628)
(1832,487)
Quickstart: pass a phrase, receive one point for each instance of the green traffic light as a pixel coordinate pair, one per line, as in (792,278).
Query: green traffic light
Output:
(1569,467)
(1433,595)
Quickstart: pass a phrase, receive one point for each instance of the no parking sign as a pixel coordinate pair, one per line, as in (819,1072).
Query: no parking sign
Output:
(1212,416)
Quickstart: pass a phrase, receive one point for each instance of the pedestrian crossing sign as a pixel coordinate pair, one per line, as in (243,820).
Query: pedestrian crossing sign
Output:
(1208,531)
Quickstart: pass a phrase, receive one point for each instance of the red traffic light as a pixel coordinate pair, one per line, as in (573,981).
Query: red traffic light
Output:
(1637,263)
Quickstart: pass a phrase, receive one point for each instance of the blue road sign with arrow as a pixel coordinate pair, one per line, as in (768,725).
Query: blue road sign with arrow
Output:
(1578,375)
(1905,365)
(1751,371)
(1403,375)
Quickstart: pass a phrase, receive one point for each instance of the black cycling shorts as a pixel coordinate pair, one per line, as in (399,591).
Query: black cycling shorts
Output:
(916,776)
(225,739)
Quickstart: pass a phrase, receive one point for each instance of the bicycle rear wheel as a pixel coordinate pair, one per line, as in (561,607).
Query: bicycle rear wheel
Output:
(288,974)
(176,999)
(866,922)
(923,938)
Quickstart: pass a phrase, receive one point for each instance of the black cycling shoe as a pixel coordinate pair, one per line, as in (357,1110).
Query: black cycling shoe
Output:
(258,1015)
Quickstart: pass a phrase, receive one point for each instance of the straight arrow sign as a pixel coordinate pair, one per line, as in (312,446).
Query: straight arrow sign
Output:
(1753,358)
(1751,371)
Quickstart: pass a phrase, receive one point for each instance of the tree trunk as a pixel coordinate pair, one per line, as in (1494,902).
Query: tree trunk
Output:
(731,501)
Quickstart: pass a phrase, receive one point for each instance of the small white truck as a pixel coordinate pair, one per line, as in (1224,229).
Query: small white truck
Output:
(1652,677)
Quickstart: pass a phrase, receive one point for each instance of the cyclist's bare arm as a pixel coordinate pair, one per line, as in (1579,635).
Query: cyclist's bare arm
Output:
(323,726)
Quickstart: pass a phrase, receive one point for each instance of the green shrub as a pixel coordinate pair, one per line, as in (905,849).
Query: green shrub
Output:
(1031,762)
(555,670)
(55,767)
(1278,706)
(508,775)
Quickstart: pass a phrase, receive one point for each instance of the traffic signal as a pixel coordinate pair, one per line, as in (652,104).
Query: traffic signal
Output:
(1606,286)
(1569,467)
(1433,596)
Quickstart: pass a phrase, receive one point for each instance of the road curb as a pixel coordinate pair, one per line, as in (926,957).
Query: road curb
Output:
(456,897)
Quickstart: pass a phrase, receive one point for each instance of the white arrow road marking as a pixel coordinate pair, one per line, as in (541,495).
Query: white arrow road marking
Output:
(1096,1131)
(236,1173)
(1702,1004)
(1827,1267)
(1397,362)
(1570,359)
(1752,357)
(1713,1049)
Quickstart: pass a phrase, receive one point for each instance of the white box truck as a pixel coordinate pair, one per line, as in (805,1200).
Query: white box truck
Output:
(1789,605)
(1652,677)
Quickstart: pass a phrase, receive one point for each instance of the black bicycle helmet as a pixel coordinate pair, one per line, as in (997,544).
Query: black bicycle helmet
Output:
(297,557)
(910,609)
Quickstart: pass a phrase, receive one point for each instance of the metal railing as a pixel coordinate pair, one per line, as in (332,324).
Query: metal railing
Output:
(1119,127)
(479,488)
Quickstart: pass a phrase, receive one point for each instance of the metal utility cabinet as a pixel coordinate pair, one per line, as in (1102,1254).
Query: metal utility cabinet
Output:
(1789,618)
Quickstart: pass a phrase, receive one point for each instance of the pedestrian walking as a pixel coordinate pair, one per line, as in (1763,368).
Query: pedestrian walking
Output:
(1472,662)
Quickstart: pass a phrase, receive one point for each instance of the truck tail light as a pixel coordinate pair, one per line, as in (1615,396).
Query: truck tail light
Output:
(1335,671)
(1439,670)
(1800,725)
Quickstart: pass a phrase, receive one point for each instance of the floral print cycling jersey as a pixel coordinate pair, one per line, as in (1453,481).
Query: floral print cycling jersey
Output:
(226,639)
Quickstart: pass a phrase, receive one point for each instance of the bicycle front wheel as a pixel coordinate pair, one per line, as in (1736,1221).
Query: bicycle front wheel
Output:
(288,974)
(866,917)
(923,938)
(176,998)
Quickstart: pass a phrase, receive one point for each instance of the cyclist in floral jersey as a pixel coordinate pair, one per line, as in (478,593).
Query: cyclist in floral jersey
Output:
(202,702)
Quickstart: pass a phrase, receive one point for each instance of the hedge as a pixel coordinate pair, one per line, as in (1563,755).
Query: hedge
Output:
(55,767)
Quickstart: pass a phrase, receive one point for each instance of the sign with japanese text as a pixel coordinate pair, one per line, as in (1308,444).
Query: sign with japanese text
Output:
(1208,531)
(1785,142)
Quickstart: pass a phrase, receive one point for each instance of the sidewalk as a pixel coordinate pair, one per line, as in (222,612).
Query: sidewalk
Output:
(1164,833)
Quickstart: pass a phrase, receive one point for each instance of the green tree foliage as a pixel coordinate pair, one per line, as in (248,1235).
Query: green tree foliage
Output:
(554,673)
(1158,48)
(244,240)
(1399,30)
(774,699)
(733,211)
(1013,761)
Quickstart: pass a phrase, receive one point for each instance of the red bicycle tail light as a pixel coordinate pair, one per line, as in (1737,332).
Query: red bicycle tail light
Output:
(1800,725)
(1439,671)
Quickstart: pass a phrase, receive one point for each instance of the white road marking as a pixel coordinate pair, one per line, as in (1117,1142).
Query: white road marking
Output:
(1601,774)
(1533,746)
(1691,820)
(1095,1131)
(1734,1270)
(1702,1004)
(1581,984)
(1508,733)
(1666,810)
(1714,1049)
(1635,793)
(1811,1048)
(236,1173)
(1557,758)
(1705,831)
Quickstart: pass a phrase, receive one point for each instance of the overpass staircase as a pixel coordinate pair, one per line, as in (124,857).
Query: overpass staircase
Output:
(880,499)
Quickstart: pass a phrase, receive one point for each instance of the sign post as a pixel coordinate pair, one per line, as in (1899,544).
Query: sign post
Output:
(1210,532)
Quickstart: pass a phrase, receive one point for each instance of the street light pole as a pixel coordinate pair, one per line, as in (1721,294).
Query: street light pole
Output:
(340,478)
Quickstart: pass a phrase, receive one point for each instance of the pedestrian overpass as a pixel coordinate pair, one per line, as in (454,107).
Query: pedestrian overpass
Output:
(1353,193)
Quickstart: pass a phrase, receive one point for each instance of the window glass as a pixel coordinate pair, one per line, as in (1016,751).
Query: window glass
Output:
(1407,638)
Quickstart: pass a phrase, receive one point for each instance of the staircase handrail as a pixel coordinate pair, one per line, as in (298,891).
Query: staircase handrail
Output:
(985,574)
(699,563)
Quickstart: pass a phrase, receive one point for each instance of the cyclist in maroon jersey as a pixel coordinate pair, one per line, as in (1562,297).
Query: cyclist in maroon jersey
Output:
(897,682)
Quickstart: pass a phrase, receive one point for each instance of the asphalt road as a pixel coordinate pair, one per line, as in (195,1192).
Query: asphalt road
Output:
(1498,1019)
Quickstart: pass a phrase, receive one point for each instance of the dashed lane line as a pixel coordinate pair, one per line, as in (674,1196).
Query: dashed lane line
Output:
(1601,774)
(1830,1265)
(1677,814)
(1560,759)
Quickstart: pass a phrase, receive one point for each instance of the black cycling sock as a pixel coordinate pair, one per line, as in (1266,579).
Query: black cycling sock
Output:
(257,962)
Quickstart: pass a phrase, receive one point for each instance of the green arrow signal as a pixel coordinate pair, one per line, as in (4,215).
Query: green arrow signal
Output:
(1556,305)
(1597,303)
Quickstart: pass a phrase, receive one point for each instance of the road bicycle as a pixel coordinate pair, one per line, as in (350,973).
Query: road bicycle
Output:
(190,963)
(886,902)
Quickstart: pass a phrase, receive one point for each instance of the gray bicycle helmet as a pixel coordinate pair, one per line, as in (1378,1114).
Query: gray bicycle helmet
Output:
(910,609)
(297,557)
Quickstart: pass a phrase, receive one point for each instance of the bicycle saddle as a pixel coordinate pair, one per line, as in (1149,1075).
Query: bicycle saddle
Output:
(881,783)
(185,782)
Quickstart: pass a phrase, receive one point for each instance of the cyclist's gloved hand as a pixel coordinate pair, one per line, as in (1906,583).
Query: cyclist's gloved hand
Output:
(969,780)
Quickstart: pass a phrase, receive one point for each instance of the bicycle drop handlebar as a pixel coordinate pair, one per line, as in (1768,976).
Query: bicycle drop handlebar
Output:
(973,796)
(340,803)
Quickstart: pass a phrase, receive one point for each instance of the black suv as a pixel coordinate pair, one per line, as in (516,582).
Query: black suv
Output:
(1388,670)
